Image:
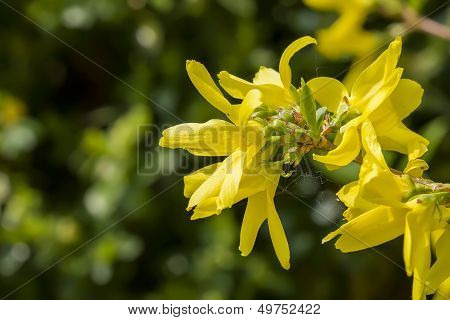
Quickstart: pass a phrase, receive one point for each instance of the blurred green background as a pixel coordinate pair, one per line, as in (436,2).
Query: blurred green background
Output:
(74,164)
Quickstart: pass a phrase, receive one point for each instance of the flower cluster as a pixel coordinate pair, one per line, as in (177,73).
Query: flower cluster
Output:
(275,124)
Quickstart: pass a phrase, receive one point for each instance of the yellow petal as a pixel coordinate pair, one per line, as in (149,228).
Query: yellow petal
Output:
(380,69)
(443,292)
(406,97)
(251,101)
(196,179)
(251,184)
(233,175)
(211,187)
(324,4)
(212,138)
(416,248)
(377,226)
(267,76)
(416,168)
(294,47)
(351,196)
(202,80)
(276,229)
(273,95)
(205,208)
(346,36)
(255,214)
(404,140)
(345,152)
(234,86)
(440,270)
(355,70)
(377,94)
(371,145)
(377,183)
(348,193)
(384,117)
(328,92)
(378,80)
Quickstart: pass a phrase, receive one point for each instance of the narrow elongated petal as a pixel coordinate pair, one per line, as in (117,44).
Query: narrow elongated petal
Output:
(251,101)
(374,76)
(206,208)
(348,193)
(443,293)
(212,138)
(346,36)
(345,152)
(273,95)
(276,229)
(233,175)
(211,187)
(294,47)
(234,86)
(416,247)
(202,80)
(207,202)
(377,94)
(324,4)
(267,76)
(377,226)
(370,143)
(384,118)
(440,270)
(406,97)
(255,215)
(378,184)
(278,236)
(403,140)
(197,178)
(416,167)
(328,92)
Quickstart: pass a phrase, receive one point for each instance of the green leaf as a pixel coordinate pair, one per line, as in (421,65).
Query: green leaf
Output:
(308,109)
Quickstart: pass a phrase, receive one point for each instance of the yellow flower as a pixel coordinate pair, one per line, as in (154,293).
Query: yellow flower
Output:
(382,206)
(379,95)
(346,35)
(443,293)
(438,278)
(241,175)
(275,87)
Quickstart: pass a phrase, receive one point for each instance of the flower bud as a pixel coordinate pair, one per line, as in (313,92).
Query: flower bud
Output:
(279,126)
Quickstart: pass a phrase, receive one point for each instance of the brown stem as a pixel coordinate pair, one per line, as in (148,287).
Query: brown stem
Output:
(415,22)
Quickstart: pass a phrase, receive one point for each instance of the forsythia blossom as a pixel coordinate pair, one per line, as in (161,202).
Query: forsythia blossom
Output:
(383,206)
(378,95)
(346,35)
(275,124)
(244,173)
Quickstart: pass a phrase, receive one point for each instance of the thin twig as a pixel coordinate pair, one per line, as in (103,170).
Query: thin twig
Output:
(413,20)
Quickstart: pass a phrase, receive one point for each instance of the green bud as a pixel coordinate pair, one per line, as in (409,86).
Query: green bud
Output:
(263,114)
(268,131)
(261,121)
(275,139)
(279,126)
(299,132)
(287,116)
